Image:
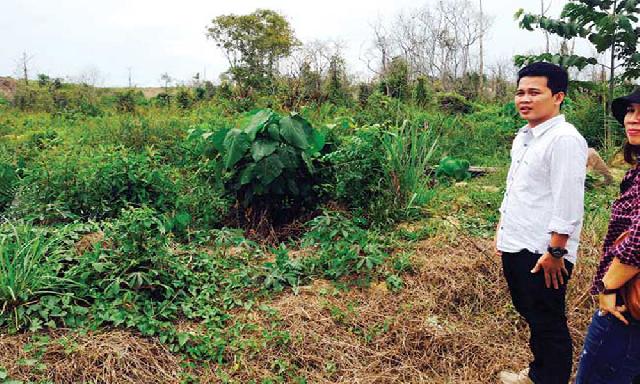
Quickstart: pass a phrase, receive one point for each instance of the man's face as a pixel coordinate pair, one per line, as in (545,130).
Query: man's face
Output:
(535,102)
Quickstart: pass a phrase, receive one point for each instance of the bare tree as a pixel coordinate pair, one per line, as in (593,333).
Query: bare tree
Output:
(434,41)
(22,66)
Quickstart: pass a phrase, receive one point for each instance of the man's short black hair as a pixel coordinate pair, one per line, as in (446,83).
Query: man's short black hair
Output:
(557,77)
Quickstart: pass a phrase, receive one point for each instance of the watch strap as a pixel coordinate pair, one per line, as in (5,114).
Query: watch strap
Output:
(557,252)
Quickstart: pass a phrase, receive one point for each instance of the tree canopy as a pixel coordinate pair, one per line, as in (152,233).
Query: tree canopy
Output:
(253,44)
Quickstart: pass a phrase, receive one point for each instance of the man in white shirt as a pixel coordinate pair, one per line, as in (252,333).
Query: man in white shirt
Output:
(541,219)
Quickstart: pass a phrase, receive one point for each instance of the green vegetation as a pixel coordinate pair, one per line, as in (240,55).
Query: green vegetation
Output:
(203,221)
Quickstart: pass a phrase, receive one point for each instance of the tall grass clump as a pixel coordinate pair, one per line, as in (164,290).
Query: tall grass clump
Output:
(409,150)
(29,264)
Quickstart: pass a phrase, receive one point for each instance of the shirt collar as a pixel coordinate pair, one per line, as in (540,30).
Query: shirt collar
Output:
(541,129)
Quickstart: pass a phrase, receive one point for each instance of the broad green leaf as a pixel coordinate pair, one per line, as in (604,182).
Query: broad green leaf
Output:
(217,139)
(317,142)
(274,131)
(262,148)
(183,338)
(247,174)
(292,130)
(257,123)
(268,169)
(289,156)
(236,144)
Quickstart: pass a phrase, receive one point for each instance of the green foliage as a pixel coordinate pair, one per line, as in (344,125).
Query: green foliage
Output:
(267,164)
(408,151)
(422,94)
(125,101)
(29,264)
(384,110)
(453,103)
(454,168)
(184,98)
(8,185)
(162,99)
(395,82)
(336,87)
(364,91)
(94,186)
(358,178)
(344,247)
(254,43)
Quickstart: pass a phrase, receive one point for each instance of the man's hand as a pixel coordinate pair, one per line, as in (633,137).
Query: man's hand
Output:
(607,304)
(553,270)
(496,251)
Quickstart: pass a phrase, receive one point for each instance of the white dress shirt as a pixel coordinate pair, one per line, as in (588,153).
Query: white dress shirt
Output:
(545,188)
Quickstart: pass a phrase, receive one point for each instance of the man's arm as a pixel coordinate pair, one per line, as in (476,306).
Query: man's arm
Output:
(567,175)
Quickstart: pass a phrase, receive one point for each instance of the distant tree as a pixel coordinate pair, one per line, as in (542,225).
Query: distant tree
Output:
(422,95)
(253,44)
(610,25)
(364,91)
(166,79)
(395,81)
(337,89)
(43,80)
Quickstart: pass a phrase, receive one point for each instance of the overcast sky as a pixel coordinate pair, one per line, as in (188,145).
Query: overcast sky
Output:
(66,38)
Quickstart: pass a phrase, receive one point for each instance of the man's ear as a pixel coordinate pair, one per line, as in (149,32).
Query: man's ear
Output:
(558,98)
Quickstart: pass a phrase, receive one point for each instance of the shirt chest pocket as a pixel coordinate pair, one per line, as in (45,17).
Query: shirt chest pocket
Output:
(533,170)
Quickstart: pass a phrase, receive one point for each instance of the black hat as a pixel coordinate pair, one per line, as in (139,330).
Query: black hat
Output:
(619,105)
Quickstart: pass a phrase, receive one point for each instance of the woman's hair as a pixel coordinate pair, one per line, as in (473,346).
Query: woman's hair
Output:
(631,153)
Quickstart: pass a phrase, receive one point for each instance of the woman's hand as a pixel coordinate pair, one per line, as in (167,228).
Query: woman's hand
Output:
(607,304)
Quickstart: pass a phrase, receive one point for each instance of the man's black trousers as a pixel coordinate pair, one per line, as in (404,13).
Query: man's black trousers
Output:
(544,310)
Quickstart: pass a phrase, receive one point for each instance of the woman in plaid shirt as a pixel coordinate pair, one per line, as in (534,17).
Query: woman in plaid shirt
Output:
(611,351)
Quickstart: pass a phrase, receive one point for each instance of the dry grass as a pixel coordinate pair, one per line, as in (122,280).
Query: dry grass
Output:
(452,323)
(108,357)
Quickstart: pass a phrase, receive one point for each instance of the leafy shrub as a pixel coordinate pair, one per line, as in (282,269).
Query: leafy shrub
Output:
(357,173)
(125,101)
(382,109)
(95,186)
(184,98)
(344,247)
(268,163)
(453,103)
(422,94)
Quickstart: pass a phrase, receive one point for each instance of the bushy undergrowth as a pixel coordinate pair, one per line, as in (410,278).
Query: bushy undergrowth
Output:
(93,185)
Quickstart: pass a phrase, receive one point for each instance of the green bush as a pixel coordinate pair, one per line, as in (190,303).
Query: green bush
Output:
(184,98)
(125,101)
(267,164)
(453,103)
(94,186)
(357,175)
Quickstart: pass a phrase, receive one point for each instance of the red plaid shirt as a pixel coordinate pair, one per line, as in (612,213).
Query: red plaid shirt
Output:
(625,216)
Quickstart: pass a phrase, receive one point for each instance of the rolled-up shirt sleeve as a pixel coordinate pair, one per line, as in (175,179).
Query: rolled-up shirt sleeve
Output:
(568,173)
